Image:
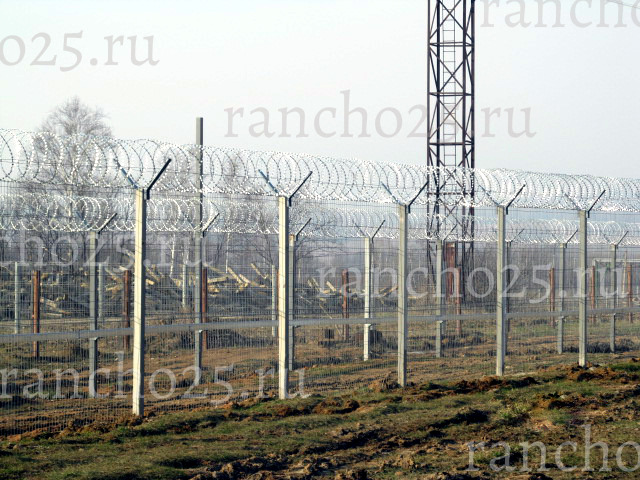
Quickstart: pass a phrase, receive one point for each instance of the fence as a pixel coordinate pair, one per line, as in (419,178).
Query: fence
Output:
(144,277)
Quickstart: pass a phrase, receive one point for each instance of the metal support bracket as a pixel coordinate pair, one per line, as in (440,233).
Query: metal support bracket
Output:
(156,178)
(293,194)
(106,224)
(377,230)
(266,179)
(506,207)
(595,202)
(617,244)
(393,197)
(206,227)
(416,196)
(297,234)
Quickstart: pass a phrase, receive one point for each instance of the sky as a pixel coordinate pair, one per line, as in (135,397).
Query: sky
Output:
(578,86)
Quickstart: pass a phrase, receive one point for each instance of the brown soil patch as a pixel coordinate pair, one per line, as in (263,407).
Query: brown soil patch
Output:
(384,385)
(486,384)
(333,406)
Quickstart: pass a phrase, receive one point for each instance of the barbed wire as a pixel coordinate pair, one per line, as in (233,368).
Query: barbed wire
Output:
(39,212)
(46,158)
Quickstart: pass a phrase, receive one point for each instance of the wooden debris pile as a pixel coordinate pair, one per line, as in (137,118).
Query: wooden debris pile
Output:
(230,293)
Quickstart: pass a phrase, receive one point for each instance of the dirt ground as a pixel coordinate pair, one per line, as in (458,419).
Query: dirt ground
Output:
(329,367)
(376,432)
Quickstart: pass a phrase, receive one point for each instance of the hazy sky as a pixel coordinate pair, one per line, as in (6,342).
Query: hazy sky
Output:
(581,84)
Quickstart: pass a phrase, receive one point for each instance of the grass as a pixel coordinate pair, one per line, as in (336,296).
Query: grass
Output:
(419,431)
(626,367)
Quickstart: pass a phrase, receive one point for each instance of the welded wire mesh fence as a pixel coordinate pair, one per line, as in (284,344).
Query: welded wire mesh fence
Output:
(250,275)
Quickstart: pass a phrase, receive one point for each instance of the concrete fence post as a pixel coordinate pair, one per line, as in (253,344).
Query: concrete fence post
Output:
(562,295)
(614,296)
(285,287)
(502,263)
(582,290)
(283,297)
(403,313)
(368,250)
(291,289)
(93,311)
(441,295)
(139,304)
(198,241)
(501,301)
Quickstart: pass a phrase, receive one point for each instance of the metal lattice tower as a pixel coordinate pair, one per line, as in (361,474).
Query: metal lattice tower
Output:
(451,84)
(451,141)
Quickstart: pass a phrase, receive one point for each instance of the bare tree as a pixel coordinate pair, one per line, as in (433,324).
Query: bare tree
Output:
(74,117)
(71,117)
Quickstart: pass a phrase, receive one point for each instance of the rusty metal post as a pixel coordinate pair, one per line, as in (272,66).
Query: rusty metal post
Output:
(552,289)
(345,303)
(205,305)
(126,307)
(630,291)
(458,299)
(36,312)
(593,292)
(17,297)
